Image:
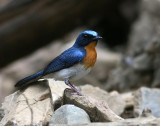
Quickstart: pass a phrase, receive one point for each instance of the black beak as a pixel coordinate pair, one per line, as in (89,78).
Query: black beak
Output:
(97,38)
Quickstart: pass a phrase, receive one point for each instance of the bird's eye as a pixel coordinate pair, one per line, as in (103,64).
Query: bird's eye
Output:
(85,36)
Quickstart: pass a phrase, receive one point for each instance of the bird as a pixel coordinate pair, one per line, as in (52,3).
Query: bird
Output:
(72,64)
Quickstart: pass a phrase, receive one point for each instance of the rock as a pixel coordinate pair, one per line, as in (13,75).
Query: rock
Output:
(146,28)
(1,114)
(129,107)
(153,47)
(145,120)
(98,110)
(26,66)
(146,98)
(143,62)
(56,89)
(70,114)
(141,121)
(30,106)
(156,78)
(113,99)
(128,98)
(124,79)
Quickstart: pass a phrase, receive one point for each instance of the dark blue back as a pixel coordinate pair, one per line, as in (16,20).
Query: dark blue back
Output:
(67,59)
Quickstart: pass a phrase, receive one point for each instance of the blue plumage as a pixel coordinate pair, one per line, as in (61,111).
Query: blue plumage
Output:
(64,62)
(93,33)
(67,59)
(29,79)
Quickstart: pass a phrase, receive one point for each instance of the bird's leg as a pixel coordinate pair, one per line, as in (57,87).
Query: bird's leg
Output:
(67,82)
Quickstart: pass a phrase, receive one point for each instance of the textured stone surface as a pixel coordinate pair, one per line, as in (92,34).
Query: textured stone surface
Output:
(1,114)
(145,120)
(33,105)
(113,99)
(98,110)
(147,98)
(129,100)
(30,106)
(156,79)
(70,114)
(56,89)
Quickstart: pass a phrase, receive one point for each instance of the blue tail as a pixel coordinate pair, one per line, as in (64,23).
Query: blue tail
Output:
(29,79)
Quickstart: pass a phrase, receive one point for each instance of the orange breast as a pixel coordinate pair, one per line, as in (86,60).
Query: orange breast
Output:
(91,55)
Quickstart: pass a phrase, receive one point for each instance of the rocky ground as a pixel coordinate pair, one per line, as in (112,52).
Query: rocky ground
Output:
(123,88)
(42,104)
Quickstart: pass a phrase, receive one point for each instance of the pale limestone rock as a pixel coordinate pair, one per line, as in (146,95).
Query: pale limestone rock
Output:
(146,98)
(128,98)
(113,99)
(1,114)
(70,114)
(56,89)
(26,66)
(98,110)
(31,106)
(145,120)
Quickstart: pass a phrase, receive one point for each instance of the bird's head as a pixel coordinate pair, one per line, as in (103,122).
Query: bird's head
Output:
(87,37)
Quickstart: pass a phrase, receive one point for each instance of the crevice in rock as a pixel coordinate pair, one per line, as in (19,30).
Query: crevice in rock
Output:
(30,108)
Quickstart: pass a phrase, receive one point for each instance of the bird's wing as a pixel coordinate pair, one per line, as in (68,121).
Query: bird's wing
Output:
(67,59)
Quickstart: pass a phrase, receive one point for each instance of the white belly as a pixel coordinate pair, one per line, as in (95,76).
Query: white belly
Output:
(73,73)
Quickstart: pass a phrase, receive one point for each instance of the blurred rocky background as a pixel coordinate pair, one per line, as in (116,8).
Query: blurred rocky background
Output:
(32,33)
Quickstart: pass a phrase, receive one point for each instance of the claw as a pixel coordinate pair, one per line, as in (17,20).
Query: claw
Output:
(74,93)
(67,82)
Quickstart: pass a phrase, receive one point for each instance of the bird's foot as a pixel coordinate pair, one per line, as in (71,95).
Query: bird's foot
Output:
(76,92)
